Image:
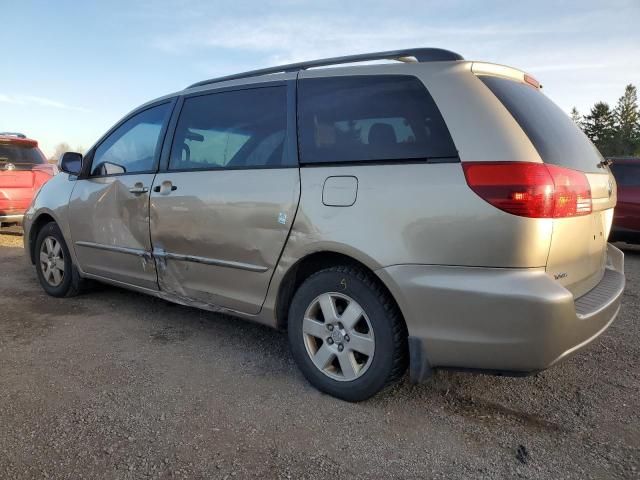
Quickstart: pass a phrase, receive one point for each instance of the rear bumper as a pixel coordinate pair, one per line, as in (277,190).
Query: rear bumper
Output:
(505,320)
(13,204)
(11,218)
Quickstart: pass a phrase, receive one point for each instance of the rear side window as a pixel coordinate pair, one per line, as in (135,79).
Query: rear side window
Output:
(235,129)
(370,118)
(626,175)
(555,136)
(22,157)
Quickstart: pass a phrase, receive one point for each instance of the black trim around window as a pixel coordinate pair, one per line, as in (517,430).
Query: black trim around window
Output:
(291,143)
(89,157)
(363,163)
(364,98)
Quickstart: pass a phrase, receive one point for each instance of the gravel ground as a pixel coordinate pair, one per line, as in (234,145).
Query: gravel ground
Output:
(113,384)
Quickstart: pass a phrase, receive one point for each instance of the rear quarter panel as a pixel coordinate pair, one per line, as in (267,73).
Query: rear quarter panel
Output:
(413,213)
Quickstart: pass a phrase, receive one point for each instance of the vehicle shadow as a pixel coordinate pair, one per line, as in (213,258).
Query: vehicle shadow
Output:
(628,248)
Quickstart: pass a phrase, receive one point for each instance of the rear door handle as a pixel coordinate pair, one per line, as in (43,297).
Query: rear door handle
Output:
(165,188)
(138,188)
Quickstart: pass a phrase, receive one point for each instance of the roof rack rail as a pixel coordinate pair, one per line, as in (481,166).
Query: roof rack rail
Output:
(409,55)
(12,134)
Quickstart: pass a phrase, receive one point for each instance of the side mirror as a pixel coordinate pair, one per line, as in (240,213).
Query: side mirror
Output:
(71,162)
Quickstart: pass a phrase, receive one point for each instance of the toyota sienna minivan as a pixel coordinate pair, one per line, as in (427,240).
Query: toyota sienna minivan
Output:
(429,212)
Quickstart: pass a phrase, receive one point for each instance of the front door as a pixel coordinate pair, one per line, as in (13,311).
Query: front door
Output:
(109,206)
(222,209)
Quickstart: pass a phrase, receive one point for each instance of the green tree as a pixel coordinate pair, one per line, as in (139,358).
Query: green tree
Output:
(599,126)
(575,116)
(627,123)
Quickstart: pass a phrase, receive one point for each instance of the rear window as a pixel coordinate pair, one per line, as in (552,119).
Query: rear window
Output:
(555,136)
(626,175)
(370,118)
(21,157)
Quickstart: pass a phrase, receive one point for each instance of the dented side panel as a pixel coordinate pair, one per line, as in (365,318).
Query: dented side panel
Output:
(218,236)
(109,228)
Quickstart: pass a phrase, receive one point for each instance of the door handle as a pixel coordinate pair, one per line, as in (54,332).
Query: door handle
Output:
(138,188)
(165,188)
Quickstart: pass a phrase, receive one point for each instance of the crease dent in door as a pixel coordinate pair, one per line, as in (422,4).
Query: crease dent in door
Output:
(171,283)
(119,229)
(218,238)
(172,280)
(109,227)
(175,270)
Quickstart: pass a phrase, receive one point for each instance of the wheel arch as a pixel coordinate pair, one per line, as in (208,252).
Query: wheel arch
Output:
(40,221)
(307,266)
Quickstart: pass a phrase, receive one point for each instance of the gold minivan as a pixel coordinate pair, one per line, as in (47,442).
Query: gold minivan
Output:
(428,212)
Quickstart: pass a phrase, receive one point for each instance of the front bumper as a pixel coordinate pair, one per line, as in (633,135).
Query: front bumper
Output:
(497,319)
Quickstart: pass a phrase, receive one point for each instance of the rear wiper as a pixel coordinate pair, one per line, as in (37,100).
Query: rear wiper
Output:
(605,163)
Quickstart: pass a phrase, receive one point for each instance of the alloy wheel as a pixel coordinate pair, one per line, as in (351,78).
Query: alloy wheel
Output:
(52,261)
(338,336)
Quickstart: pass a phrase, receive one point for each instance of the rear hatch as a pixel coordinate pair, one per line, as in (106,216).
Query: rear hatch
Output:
(577,253)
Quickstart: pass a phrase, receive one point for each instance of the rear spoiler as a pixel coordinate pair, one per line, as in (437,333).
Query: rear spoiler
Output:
(485,68)
(12,140)
(12,134)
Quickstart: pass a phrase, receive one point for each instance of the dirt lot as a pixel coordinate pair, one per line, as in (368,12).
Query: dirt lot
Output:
(114,384)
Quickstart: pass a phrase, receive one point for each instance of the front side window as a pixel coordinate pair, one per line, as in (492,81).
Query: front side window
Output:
(234,129)
(132,147)
(370,118)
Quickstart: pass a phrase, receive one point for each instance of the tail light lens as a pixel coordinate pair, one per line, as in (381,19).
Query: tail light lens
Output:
(535,190)
(48,168)
(43,173)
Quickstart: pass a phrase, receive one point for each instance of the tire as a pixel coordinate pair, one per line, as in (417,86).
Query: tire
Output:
(70,283)
(347,358)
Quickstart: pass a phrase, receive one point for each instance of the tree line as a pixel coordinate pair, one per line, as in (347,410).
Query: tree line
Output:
(62,148)
(615,131)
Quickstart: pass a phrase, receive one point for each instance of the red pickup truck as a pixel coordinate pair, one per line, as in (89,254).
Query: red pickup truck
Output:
(626,219)
(23,170)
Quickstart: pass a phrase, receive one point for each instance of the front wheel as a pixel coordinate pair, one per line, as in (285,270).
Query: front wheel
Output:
(55,269)
(346,333)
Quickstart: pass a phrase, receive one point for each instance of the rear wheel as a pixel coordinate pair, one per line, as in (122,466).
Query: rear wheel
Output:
(54,267)
(346,333)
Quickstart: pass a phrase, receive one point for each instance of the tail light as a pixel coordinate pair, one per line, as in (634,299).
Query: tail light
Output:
(43,173)
(535,190)
(48,168)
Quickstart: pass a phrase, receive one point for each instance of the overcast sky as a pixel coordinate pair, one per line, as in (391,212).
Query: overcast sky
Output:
(71,69)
